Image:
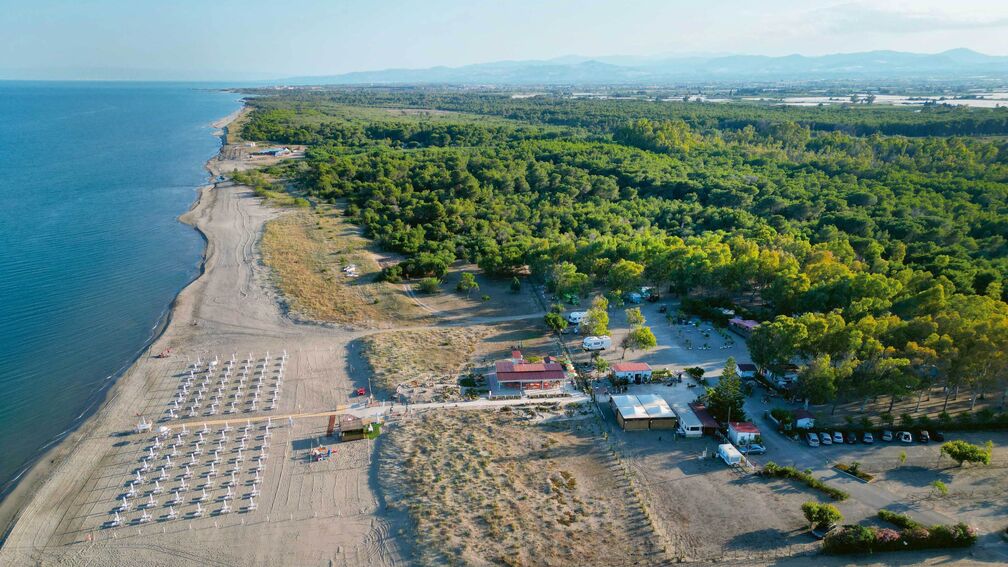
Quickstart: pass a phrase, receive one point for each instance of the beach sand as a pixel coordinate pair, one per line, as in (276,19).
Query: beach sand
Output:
(307,513)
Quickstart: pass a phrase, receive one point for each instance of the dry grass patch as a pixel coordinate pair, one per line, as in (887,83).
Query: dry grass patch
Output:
(496,489)
(422,365)
(308,251)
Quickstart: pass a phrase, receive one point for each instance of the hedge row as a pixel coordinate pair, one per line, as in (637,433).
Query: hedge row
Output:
(901,520)
(983,420)
(868,539)
(774,470)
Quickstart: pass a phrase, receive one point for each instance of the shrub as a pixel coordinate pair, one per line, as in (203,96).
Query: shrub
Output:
(912,536)
(963,452)
(854,469)
(392,274)
(774,470)
(784,416)
(940,487)
(821,515)
(901,520)
(849,539)
(429,285)
(906,420)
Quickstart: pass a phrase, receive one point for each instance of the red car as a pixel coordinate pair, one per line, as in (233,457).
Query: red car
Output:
(361,392)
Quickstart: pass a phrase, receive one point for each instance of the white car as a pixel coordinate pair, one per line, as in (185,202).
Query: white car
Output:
(838,438)
(825,438)
(813,439)
(904,437)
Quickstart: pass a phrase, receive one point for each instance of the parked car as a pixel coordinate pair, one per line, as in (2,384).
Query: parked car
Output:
(825,438)
(924,437)
(904,437)
(887,435)
(937,435)
(838,438)
(812,438)
(754,449)
(851,438)
(868,438)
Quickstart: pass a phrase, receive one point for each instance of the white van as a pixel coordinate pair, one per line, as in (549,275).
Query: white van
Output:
(575,317)
(596,343)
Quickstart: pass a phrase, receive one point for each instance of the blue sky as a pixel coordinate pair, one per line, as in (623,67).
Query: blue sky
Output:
(232,40)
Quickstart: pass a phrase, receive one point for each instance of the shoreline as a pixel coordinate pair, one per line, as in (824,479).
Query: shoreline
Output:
(21,489)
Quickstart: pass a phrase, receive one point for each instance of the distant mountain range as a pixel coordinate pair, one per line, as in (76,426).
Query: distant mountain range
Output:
(574,70)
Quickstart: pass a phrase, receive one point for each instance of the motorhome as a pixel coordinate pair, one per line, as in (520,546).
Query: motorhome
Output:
(596,343)
(575,317)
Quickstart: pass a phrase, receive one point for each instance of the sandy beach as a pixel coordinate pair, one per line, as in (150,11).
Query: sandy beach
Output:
(324,513)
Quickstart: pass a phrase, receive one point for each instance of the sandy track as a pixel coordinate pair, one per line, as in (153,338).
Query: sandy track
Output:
(308,514)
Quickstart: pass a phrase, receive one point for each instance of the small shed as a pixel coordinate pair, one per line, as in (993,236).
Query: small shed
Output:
(633,371)
(742,432)
(747,370)
(660,415)
(630,414)
(804,419)
(352,428)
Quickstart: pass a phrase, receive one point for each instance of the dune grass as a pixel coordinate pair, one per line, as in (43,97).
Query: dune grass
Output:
(307,251)
(426,362)
(495,489)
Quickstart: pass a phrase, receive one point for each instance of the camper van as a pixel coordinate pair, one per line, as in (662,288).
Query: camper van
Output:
(596,343)
(575,317)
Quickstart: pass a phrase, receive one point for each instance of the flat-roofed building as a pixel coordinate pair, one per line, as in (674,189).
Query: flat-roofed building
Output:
(660,415)
(630,414)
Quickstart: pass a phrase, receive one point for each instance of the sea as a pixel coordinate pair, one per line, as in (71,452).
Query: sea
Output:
(93,177)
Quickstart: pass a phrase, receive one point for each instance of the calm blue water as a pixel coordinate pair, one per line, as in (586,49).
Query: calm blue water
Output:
(92,178)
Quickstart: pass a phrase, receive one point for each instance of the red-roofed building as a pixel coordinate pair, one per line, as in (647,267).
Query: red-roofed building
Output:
(707,421)
(742,432)
(633,371)
(517,374)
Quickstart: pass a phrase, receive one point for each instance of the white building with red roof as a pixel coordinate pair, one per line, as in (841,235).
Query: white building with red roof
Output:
(742,432)
(633,371)
(518,374)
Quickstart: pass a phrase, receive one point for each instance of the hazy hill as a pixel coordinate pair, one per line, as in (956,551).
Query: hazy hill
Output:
(952,64)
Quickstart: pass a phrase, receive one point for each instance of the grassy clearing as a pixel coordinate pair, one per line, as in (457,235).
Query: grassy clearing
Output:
(497,489)
(308,249)
(422,365)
